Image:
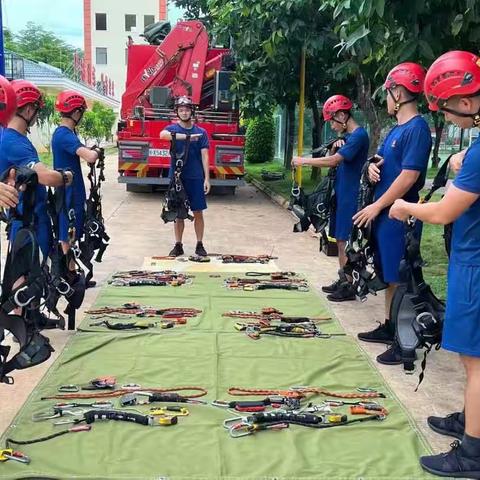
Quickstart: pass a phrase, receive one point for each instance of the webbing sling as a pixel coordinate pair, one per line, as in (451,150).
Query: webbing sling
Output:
(361,266)
(95,237)
(176,204)
(34,348)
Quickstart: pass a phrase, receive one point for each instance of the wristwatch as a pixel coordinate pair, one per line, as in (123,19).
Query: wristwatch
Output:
(65,177)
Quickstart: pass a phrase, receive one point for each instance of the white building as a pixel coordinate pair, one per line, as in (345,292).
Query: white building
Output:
(108,24)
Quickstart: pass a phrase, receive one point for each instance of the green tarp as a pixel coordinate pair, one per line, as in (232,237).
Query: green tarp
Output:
(208,352)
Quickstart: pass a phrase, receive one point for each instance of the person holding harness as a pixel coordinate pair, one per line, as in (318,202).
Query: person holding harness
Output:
(398,171)
(8,105)
(67,151)
(17,150)
(195,173)
(452,86)
(349,158)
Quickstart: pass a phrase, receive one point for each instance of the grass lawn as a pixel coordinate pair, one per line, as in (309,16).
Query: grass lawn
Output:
(433,249)
(47,158)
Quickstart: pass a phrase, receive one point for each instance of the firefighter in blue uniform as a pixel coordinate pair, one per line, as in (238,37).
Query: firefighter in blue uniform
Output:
(67,151)
(349,159)
(195,173)
(399,173)
(452,85)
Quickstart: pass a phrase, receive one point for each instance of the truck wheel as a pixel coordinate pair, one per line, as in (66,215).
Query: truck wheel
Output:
(139,188)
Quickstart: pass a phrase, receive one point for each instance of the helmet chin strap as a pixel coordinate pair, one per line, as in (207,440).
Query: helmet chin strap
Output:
(398,104)
(70,116)
(343,124)
(474,116)
(28,122)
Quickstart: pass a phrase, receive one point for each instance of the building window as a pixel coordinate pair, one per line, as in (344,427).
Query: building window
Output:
(130,22)
(148,20)
(100,21)
(101,56)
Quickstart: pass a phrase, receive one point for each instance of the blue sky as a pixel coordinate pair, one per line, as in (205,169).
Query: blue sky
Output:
(62,17)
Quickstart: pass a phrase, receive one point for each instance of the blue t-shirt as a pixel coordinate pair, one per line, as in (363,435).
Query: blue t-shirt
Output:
(193,167)
(466,228)
(406,147)
(347,181)
(65,144)
(16,150)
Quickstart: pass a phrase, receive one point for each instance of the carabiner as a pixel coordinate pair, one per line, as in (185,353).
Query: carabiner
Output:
(240,430)
(233,421)
(17,301)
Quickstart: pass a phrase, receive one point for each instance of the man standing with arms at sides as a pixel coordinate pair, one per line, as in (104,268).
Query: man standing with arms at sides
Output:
(195,172)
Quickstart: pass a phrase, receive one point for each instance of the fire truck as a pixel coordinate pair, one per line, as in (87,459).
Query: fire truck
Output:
(177,63)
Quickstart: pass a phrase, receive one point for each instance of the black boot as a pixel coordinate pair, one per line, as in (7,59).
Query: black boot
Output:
(344,293)
(382,334)
(393,355)
(333,287)
(452,425)
(200,250)
(177,250)
(456,463)
(91,284)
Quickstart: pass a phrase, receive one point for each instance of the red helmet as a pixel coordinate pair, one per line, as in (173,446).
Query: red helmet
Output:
(26,92)
(69,100)
(409,75)
(8,101)
(454,73)
(335,104)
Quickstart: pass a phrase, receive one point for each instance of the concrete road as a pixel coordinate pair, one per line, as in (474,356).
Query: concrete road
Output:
(247,223)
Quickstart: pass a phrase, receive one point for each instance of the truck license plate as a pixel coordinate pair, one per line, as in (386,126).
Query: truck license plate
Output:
(158,152)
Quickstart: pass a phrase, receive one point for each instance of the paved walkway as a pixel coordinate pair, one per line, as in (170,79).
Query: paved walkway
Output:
(247,223)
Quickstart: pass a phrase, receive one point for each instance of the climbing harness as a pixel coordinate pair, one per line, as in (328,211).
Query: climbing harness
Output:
(176,204)
(317,207)
(63,281)
(95,237)
(361,266)
(416,313)
(23,259)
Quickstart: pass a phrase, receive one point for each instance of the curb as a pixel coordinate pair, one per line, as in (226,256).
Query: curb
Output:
(275,197)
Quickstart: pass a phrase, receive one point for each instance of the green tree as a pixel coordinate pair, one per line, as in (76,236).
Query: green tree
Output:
(36,43)
(260,138)
(195,9)
(48,119)
(97,124)
(375,35)
(268,37)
